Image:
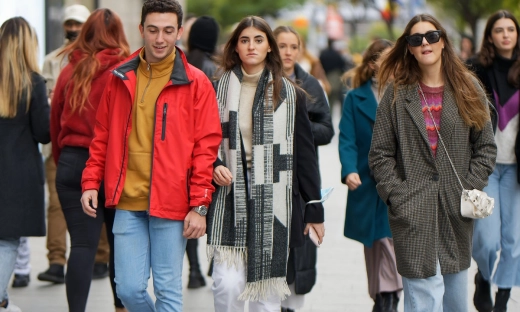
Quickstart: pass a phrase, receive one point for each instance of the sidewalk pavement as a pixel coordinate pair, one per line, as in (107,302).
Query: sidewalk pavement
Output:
(341,282)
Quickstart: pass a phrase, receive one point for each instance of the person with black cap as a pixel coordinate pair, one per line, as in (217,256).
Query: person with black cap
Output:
(202,42)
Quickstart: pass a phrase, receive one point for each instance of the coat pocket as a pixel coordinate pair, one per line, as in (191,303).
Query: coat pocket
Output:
(164,114)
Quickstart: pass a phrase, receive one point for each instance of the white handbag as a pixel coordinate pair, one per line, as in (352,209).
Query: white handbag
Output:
(474,204)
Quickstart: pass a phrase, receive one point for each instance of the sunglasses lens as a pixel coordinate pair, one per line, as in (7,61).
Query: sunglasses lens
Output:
(414,40)
(433,37)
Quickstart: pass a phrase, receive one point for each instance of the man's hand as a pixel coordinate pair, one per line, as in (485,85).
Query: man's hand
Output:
(194,225)
(222,176)
(87,197)
(318,227)
(353,181)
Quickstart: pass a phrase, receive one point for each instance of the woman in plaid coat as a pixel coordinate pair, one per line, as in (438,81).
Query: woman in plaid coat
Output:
(431,90)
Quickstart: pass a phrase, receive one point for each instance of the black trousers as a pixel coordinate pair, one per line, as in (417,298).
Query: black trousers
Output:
(84,230)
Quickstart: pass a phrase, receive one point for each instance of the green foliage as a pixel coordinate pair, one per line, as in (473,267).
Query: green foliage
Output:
(468,12)
(513,6)
(377,30)
(229,12)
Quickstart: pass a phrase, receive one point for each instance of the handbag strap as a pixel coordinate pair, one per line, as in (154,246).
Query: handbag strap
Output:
(439,134)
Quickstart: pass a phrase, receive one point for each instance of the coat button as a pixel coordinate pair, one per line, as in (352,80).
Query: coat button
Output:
(435,177)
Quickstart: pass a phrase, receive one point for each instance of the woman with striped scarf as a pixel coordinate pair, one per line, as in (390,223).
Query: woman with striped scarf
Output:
(266,167)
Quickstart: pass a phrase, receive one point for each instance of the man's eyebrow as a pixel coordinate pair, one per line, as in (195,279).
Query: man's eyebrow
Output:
(166,27)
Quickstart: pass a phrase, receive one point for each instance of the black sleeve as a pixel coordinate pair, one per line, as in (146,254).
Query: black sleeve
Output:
(218,162)
(40,111)
(307,164)
(482,74)
(319,112)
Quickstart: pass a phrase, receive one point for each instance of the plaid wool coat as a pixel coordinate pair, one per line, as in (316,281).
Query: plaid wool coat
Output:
(421,191)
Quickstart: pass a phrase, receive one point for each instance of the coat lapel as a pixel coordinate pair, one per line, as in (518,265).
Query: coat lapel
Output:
(367,104)
(414,108)
(449,117)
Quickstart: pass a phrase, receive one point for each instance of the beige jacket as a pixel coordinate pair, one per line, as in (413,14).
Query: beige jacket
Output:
(52,66)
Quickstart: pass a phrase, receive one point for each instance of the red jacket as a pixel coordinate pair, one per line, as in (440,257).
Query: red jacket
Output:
(70,128)
(186,137)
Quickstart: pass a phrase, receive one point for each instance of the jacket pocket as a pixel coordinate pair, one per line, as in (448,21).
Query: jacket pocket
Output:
(188,174)
(165,111)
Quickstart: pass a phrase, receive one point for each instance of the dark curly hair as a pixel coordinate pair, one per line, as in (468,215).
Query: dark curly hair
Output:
(162,6)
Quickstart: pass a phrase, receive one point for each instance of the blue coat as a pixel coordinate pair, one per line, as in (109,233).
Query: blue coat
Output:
(367,217)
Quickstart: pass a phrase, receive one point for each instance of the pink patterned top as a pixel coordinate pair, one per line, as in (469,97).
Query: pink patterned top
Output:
(433,96)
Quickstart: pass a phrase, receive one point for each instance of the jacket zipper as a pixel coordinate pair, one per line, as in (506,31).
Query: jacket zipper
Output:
(188,174)
(148,84)
(165,110)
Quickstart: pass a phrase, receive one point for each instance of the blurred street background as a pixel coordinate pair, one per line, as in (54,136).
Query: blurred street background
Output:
(351,25)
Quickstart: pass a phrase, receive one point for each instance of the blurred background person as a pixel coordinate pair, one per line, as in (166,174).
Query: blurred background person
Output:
(202,44)
(467,47)
(312,65)
(24,122)
(301,266)
(497,65)
(101,44)
(73,19)
(334,65)
(189,19)
(366,219)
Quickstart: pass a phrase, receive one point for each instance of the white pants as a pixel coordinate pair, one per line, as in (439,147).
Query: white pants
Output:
(294,301)
(229,283)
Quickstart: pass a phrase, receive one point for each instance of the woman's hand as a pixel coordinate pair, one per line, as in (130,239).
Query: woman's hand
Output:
(353,181)
(318,227)
(222,176)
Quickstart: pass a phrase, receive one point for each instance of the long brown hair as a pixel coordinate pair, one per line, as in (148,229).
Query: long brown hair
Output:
(362,73)
(402,68)
(488,51)
(19,59)
(273,60)
(102,30)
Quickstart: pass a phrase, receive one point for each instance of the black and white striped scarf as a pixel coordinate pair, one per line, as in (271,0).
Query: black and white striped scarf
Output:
(255,230)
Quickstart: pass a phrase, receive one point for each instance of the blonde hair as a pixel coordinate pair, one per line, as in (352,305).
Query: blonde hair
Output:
(19,59)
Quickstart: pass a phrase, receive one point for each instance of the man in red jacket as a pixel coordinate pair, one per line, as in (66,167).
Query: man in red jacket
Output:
(156,137)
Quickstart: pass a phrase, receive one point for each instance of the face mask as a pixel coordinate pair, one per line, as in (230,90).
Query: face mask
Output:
(71,35)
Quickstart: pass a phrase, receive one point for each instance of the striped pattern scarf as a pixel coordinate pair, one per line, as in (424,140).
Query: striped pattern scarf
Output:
(255,230)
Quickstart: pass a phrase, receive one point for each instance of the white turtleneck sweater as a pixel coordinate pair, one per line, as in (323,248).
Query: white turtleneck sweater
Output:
(245,112)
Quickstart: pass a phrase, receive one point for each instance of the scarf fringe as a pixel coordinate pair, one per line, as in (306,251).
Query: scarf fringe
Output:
(260,290)
(227,254)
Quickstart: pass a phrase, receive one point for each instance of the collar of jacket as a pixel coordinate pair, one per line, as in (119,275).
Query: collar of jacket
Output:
(179,74)
(299,72)
(367,103)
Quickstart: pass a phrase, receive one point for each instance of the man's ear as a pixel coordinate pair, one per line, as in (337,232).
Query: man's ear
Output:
(141,30)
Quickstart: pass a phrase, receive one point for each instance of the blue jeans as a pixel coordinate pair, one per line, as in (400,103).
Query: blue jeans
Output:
(8,252)
(141,243)
(448,293)
(500,231)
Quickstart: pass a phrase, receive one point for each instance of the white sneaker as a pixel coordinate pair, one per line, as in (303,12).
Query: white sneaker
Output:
(10,308)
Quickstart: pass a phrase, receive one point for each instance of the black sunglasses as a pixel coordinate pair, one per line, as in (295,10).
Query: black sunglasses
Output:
(415,40)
